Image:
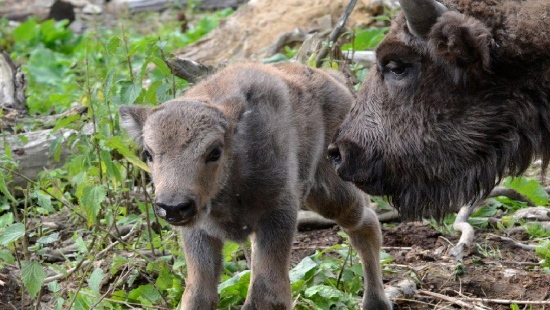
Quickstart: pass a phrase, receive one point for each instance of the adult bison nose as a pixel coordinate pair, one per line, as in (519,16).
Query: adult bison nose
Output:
(337,154)
(180,213)
(334,155)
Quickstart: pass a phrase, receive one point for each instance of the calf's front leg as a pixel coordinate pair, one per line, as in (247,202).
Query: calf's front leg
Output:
(203,255)
(271,245)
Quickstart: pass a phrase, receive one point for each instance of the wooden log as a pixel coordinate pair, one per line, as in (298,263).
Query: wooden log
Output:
(33,152)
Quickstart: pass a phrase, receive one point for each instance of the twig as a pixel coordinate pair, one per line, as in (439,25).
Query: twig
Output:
(449,299)
(85,263)
(506,301)
(520,245)
(335,33)
(403,248)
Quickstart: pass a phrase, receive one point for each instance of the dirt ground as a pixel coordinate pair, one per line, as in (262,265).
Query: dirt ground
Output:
(493,271)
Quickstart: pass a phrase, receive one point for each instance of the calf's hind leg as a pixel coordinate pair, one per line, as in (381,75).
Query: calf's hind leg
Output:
(343,203)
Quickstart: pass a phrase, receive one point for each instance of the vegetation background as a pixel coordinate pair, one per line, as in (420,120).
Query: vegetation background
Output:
(83,236)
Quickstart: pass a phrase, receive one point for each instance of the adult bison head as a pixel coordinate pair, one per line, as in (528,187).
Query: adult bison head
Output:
(455,101)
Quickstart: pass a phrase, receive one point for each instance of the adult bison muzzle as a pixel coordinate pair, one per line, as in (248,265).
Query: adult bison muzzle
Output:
(459,97)
(236,156)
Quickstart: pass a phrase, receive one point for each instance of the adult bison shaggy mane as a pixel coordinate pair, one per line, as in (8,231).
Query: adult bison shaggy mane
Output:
(458,98)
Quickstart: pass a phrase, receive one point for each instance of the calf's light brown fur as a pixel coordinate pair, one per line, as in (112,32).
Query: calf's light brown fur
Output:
(237,156)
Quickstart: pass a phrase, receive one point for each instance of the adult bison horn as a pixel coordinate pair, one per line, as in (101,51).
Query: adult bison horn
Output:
(421,15)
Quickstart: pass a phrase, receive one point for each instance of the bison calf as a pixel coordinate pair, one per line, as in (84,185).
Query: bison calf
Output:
(459,97)
(236,157)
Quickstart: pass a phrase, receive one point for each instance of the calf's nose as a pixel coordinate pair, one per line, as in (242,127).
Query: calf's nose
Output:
(177,213)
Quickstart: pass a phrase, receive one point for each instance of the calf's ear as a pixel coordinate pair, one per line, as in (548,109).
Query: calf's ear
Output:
(132,119)
(462,43)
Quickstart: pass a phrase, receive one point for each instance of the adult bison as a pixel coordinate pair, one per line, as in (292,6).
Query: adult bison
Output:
(235,157)
(459,97)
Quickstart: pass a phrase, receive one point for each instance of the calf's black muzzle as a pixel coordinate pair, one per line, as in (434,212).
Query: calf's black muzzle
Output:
(178,214)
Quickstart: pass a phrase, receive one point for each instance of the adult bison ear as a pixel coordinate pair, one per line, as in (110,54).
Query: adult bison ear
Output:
(462,43)
(132,119)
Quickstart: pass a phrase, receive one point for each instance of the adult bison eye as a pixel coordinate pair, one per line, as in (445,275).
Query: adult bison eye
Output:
(148,156)
(397,68)
(214,155)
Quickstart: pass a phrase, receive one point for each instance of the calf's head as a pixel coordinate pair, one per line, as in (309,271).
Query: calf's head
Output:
(185,145)
(433,126)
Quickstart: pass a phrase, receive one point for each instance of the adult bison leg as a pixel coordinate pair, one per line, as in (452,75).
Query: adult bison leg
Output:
(346,205)
(203,255)
(271,245)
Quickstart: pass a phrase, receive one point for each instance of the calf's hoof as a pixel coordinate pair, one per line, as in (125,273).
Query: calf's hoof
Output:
(377,304)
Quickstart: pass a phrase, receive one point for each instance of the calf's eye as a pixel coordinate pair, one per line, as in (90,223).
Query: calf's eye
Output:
(148,156)
(214,155)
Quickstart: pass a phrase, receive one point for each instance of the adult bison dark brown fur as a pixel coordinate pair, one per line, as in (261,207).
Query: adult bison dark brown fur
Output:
(459,97)
(236,156)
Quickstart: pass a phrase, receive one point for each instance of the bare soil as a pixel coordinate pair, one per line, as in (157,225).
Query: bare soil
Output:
(493,270)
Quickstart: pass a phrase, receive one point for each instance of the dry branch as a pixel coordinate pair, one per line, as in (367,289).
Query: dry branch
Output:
(533,214)
(335,34)
(513,242)
(453,300)
(507,301)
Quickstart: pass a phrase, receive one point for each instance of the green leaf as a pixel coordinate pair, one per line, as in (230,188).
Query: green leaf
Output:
(12,233)
(129,91)
(44,200)
(366,39)
(113,45)
(165,279)
(6,219)
(300,270)
(275,58)
(54,286)
(118,261)
(485,211)
(90,196)
(83,301)
(325,291)
(117,143)
(81,246)
(48,239)
(6,257)
(94,281)
(112,168)
(4,188)
(229,248)
(109,82)
(529,188)
(145,293)
(233,291)
(26,32)
(65,121)
(161,65)
(32,276)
